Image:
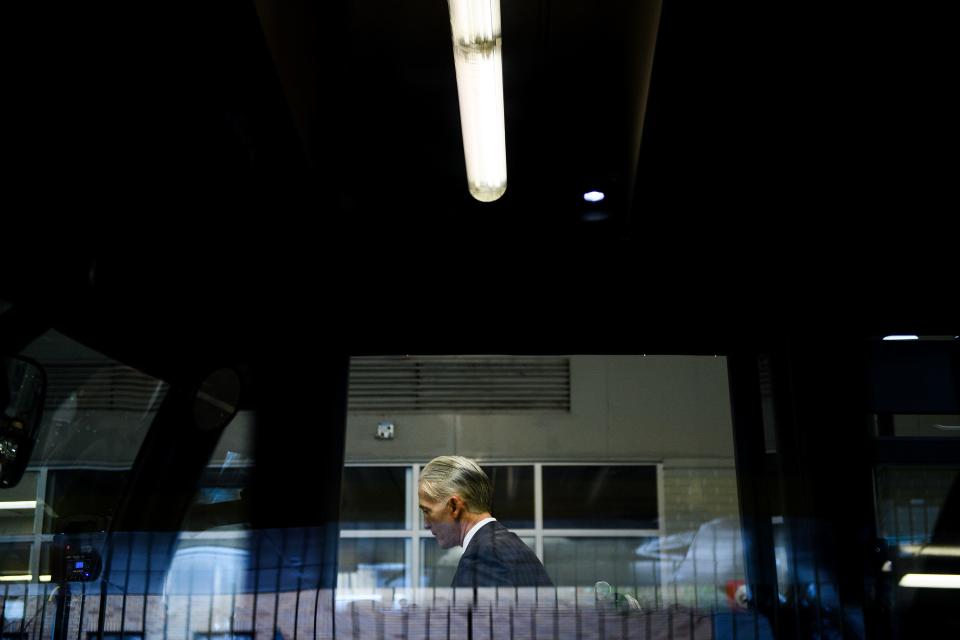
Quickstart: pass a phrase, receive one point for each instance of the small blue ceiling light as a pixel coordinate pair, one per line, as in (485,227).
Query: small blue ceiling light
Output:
(901,337)
(594,196)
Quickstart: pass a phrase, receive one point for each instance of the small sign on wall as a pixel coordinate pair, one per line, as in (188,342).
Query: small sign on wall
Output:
(385,431)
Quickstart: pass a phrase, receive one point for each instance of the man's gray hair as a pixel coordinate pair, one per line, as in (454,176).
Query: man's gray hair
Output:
(446,476)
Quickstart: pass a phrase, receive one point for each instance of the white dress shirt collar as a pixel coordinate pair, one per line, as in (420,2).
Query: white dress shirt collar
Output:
(467,538)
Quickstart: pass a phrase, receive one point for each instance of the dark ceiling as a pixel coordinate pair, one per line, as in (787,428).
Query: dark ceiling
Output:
(783,120)
(375,98)
(346,113)
(302,161)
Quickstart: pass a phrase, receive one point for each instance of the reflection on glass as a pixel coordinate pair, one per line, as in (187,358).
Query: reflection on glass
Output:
(373,498)
(14,559)
(215,553)
(512,495)
(909,500)
(16,514)
(208,567)
(81,500)
(600,497)
(585,561)
(96,416)
(712,567)
(220,503)
(45,558)
(235,447)
(438,566)
(918,425)
(916,517)
(639,489)
(371,563)
(915,377)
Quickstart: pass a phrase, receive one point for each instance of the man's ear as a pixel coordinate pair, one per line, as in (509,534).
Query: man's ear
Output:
(457,506)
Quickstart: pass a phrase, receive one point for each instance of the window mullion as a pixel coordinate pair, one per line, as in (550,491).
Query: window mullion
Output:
(414,525)
(538,508)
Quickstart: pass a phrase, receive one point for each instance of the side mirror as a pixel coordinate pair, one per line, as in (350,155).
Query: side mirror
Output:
(23,386)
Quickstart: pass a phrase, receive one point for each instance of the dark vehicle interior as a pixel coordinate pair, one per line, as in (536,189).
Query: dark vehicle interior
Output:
(826,477)
(280,221)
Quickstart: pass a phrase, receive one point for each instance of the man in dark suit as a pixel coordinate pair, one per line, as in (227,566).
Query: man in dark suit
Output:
(455,497)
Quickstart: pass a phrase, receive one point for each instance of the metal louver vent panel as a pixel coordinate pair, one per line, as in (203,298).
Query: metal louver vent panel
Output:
(101,387)
(455,384)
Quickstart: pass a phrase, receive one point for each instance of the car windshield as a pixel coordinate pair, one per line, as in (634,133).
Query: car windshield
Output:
(96,415)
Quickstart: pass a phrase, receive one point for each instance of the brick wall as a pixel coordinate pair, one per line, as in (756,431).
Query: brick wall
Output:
(695,495)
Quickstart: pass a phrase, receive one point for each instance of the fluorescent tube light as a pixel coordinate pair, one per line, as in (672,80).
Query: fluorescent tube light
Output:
(931,550)
(931,580)
(21,578)
(475,25)
(901,337)
(19,504)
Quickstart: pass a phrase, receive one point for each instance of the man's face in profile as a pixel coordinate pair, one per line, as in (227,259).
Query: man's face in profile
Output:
(437,517)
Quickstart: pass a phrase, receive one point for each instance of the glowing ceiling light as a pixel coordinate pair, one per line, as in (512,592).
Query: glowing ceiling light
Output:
(477,58)
(931,550)
(19,504)
(594,196)
(901,337)
(931,581)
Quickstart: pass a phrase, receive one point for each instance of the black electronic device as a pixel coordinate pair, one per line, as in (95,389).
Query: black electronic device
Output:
(75,558)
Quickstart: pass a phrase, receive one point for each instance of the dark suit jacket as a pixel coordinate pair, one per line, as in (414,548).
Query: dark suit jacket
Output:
(496,557)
